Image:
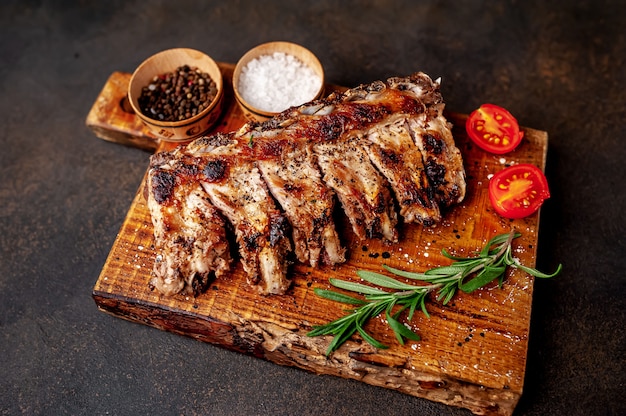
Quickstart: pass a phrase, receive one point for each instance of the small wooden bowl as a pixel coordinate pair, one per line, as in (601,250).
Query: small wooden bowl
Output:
(304,55)
(168,61)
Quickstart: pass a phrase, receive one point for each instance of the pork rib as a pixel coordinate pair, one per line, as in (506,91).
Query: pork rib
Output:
(362,190)
(290,171)
(432,134)
(442,159)
(190,234)
(235,187)
(395,154)
(370,147)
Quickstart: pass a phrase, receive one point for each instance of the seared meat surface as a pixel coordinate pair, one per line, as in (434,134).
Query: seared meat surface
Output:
(234,185)
(395,154)
(384,151)
(439,153)
(190,234)
(362,190)
(290,170)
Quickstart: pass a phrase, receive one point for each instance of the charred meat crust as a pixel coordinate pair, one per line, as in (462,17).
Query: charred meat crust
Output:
(162,185)
(190,236)
(277,181)
(215,170)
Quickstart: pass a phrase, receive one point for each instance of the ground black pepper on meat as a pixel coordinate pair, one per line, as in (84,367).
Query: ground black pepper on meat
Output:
(177,95)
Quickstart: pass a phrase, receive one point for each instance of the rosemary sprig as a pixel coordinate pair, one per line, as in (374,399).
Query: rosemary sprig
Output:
(465,273)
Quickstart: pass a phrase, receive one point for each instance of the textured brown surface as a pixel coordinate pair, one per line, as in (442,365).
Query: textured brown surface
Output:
(472,353)
(558,66)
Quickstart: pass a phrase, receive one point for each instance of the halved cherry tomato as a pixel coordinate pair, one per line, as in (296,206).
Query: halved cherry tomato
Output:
(518,191)
(494,129)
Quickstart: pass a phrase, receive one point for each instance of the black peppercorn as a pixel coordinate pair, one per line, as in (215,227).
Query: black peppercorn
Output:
(177,95)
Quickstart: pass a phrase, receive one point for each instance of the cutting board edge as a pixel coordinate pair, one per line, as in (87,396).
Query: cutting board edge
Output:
(283,346)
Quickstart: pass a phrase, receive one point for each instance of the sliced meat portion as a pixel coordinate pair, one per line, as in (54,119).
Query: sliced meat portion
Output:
(432,134)
(235,186)
(393,151)
(190,234)
(289,168)
(362,190)
(442,159)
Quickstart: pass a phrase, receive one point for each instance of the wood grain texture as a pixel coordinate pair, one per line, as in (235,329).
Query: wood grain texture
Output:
(473,351)
(112,118)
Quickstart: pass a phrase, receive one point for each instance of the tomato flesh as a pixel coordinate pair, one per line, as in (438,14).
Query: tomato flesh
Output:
(518,191)
(494,129)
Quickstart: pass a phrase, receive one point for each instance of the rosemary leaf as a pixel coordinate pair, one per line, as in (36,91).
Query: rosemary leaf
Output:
(370,339)
(446,294)
(400,330)
(537,273)
(485,276)
(355,287)
(338,297)
(383,281)
(403,273)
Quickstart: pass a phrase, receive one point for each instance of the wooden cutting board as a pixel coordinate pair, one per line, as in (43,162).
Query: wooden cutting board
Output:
(472,352)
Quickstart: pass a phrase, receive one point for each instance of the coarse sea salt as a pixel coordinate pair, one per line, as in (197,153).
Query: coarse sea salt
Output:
(278,81)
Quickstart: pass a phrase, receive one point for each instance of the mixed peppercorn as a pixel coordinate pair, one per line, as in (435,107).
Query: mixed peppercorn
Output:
(177,95)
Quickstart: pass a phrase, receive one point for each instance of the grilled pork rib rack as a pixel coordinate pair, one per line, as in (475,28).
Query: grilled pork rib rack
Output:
(380,150)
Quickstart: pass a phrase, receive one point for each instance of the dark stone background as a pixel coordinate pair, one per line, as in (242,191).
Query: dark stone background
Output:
(558,66)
